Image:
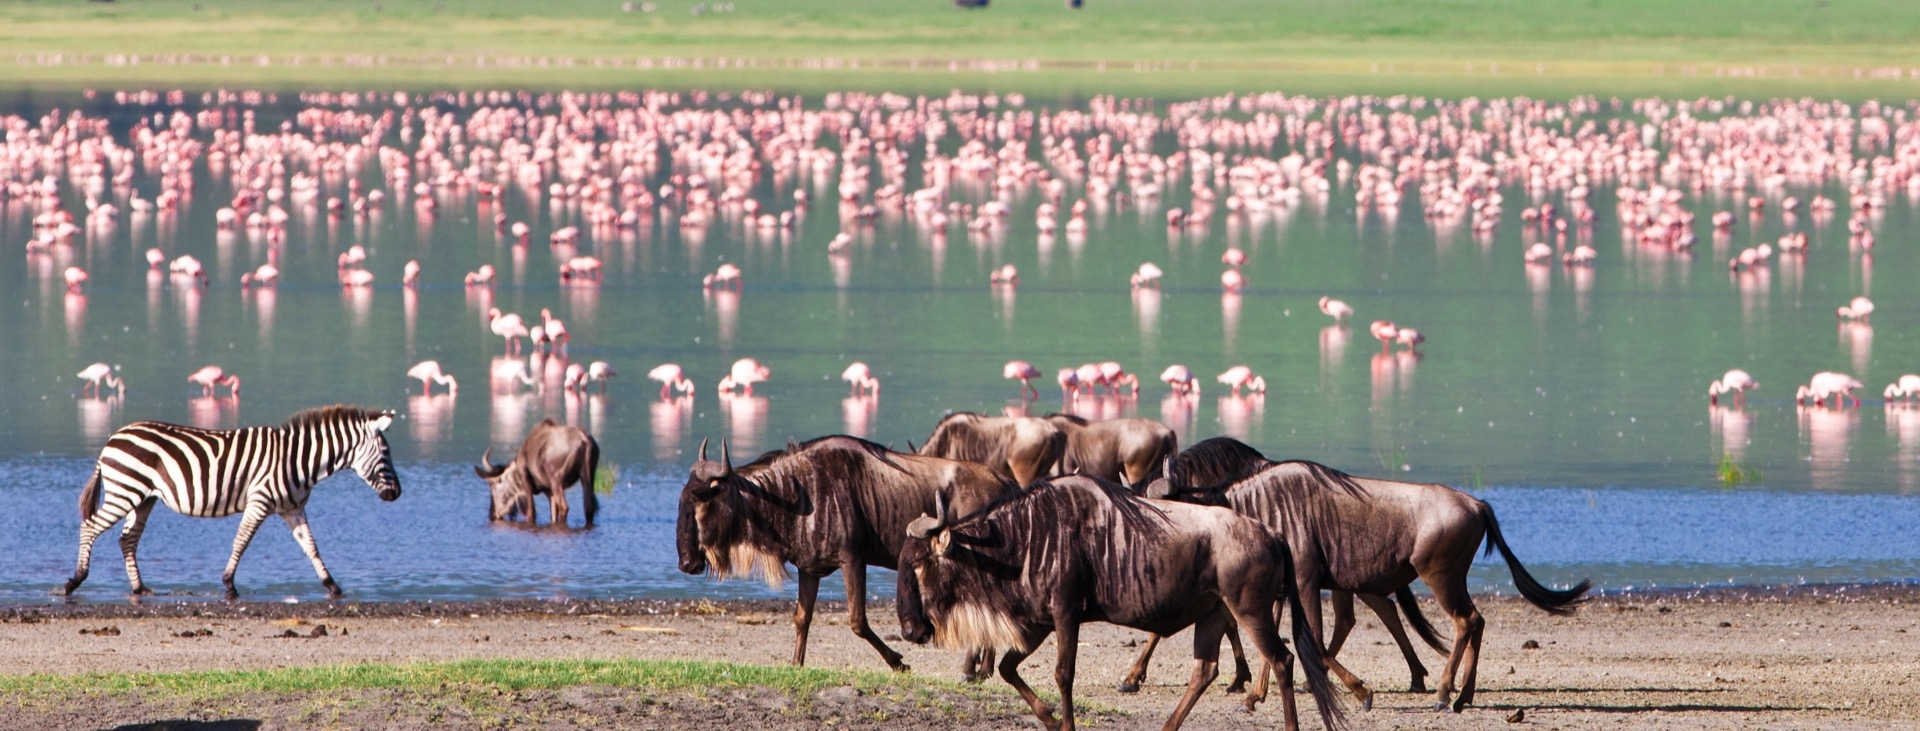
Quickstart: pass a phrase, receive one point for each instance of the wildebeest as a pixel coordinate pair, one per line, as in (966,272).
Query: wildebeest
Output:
(836,503)
(1019,447)
(1127,451)
(1375,537)
(1077,549)
(552,457)
(1223,460)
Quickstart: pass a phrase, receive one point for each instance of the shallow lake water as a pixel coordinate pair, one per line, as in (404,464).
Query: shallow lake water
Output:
(1570,398)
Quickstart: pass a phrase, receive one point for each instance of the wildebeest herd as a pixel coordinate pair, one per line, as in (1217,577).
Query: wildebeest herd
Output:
(1003,530)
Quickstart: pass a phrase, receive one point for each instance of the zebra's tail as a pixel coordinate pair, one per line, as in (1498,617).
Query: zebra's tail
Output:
(90,496)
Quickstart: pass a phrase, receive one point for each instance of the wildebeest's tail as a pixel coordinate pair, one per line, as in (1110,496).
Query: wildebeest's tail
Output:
(588,500)
(1410,607)
(1307,647)
(90,496)
(1560,602)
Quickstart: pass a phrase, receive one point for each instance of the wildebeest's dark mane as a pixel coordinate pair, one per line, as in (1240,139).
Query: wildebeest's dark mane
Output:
(1132,509)
(1080,420)
(1215,463)
(330,414)
(770,456)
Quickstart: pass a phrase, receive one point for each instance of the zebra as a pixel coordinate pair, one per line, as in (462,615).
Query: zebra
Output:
(256,471)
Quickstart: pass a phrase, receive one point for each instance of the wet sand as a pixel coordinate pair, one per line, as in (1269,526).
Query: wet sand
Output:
(1814,657)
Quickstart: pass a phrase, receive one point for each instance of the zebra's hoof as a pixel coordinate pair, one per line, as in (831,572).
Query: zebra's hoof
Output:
(142,590)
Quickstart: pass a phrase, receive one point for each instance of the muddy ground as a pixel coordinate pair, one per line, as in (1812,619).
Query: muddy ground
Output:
(1818,657)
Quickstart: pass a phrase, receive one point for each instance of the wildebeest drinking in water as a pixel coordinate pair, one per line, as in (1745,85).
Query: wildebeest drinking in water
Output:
(1019,447)
(1127,451)
(832,504)
(1375,537)
(1077,549)
(550,458)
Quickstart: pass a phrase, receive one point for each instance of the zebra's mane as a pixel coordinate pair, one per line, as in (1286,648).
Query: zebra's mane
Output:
(330,414)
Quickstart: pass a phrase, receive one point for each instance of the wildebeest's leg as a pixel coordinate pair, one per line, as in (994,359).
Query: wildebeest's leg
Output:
(588,500)
(1390,617)
(297,522)
(1138,673)
(249,524)
(1206,665)
(1450,590)
(557,506)
(1010,672)
(130,543)
(1066,645)
(803,615)
(855,574)
(1259,623)
(978,665)
(1310,599)
(1241,673)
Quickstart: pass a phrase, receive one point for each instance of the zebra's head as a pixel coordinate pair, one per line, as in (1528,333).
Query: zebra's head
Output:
(372,459)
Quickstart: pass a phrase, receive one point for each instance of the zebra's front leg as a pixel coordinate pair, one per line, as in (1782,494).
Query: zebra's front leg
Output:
(130,544)
(297,521)
(249,524)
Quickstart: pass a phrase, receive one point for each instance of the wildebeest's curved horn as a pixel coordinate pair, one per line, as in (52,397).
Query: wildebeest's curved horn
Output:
(725,458)
(486,458)
(703,450)
(1166,468)
(940,507)
(910,447)
(923,526)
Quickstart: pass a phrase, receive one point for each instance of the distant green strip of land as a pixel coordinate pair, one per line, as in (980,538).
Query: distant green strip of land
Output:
(1845,48)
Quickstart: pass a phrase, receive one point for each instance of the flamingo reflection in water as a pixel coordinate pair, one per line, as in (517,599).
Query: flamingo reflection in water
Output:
(746,418)
(99,417)
(670,420)
(1238,413)
(858,412)
(1730,425)
(430,417)
(213,412)
(1829,433)
(1903,425)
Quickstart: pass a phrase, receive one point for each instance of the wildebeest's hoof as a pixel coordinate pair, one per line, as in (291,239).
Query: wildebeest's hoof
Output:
(1419,685)
(1128,686)
(1444,707)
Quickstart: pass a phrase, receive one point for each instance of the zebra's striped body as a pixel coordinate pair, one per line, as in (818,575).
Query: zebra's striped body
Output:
(256,471)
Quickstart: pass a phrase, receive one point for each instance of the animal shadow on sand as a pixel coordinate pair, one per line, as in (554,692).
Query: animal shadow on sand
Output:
(231,724)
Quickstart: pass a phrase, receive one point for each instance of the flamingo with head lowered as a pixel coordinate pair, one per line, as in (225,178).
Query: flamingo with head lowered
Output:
(428,371)
(1828,385)
(1335,309)
(1241,376)
(862,379)
(1181,379)
(100,373)
(212,377)
(1024,372)
(670,378)
(745,373)
(1736,382)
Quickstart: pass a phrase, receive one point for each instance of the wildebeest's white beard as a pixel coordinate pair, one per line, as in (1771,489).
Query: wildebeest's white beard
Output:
(742,560)
(969,626)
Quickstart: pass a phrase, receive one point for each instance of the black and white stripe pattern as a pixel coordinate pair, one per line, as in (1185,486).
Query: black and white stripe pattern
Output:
(257,472)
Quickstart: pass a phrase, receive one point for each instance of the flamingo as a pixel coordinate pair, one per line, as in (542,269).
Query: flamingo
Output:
(599,372)
(575,378)
(1735,381)
(507,371)
(356,278)
(1905,389)
(520,231)
(99,373)
(1181,379)
(727,275)
(1242,376)
(1858,309)
(582,268)
(481,277)
(1828,384)
(410,275)
(1147,276)
(1385,332)
(745,373)
(862,379)
(1090,377)
(1007,275)
(507,326)
(1582,255)
(211,377)
(266,275)
(1069,379)
(1113,375)
(1335,309)
(1234,257)
(1538,253)
(1232,281)
(76,279)
(428,371)
(1024,372)
(156,258)
(1411,338)
(670,377)
(188,266)
(556,330)
(354,256)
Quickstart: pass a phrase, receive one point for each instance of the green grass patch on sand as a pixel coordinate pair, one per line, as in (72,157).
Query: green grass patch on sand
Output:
(665,676)
(1835,47)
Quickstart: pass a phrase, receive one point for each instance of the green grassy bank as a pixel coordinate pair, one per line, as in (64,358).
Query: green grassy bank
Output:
(1774,47)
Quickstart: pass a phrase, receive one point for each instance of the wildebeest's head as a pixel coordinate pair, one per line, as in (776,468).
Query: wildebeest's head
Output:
(948,598)
(711,533)
(927,541)
(510,498)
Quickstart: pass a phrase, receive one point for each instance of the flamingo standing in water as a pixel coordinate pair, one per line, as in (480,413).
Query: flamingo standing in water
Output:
(1241,376)
(862,379)
(556,330)
(211,377)
(99,373)
(1006,276)
(1736,381)
(428,371)
(1335,309)
(727,276)
(1232,281)
(410,275)
(1385,332)
(745,373)
(1828,384)
(1069,380)
(1409,337)
(1905,389)
(599,372)
(507,326)
(1181,379)
(76,279)
(1024,372)
(482,277)
(156,259)
(670,377)
(266,275)
(1858,309)
(1234,258)
(1148,276)
(1113,375)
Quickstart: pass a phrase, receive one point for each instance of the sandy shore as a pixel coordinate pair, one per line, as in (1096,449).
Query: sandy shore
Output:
(1806,658)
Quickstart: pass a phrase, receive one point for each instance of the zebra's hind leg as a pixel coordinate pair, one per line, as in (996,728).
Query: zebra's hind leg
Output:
(249,524)
(130,543)
(297,521)
(110,511)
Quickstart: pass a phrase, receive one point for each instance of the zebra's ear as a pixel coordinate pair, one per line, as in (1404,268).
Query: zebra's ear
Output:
(385,420)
